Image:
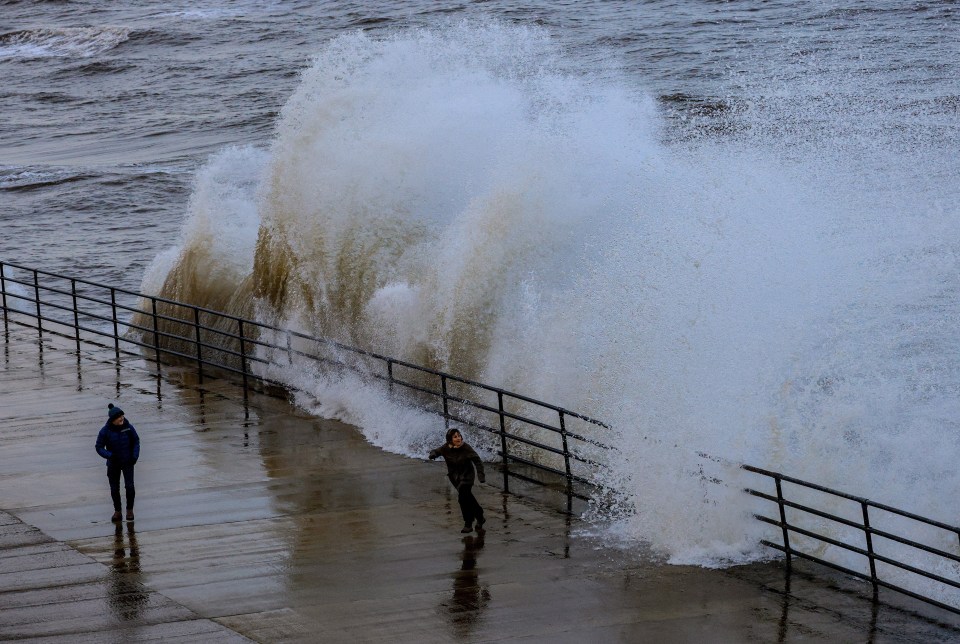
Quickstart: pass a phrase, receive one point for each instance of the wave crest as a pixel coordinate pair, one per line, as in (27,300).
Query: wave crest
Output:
(65,42)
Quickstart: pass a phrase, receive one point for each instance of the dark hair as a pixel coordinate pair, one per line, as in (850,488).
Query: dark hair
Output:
(450,433)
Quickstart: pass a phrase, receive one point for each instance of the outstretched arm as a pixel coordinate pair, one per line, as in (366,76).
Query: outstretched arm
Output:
(435,453)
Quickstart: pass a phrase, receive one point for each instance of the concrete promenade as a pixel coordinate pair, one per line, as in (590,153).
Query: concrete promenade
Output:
(256,522)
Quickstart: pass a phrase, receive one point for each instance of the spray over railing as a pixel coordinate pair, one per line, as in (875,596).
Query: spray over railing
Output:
(536,441)
(882,551)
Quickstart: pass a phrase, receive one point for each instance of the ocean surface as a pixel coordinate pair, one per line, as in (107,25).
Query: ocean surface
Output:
(725,228)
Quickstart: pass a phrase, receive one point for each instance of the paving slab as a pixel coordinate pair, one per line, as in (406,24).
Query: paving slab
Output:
(257,522)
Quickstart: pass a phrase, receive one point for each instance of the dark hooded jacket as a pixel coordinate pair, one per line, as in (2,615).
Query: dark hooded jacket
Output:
(119,444)
(460,463)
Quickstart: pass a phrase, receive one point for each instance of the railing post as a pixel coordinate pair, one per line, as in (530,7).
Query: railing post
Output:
(243,356)
(503,443)
(36,298)
(3,290)
(783,520)
(76,314)
(199,342)
(869,536)
(390,375)
(289,348)
(446,411)
(156,332)
(116,330)
(566,456)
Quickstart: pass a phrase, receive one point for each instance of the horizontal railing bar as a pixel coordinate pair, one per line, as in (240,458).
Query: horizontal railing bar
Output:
(25,298)
(99,332)
(507,414)
(113,288)
(518,459)
(403,363)
(178,313)
(914,595)
(80,296)
(814,486)
(868,531)
(61,334)
(410,385)
(798,506)
(547,468)
(858,499)
(192,358)
(813,535)
(541,466)
(251,340)
(187,357)
(438,394)
(465,401)
(915,517)
(25,325)
(69,323)
(523,419)
(88,329)
(223,350)
(232,352)
(586,439)
(914,544)
(54,305)
(47,289)
(829,564)
(102,318)
(861,551)
(477,405)
(860,575)
(434,372)
(470,423)
(533,443)
(916,571)
(530,479)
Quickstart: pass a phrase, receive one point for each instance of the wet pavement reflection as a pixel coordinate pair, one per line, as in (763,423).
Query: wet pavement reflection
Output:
(127,596)
(470,595)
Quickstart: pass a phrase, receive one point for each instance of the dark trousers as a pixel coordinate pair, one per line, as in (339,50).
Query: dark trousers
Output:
(469,507)
(114,470)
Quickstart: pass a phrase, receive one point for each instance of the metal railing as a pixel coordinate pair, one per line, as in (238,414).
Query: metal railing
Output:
(876,546)
(536,441)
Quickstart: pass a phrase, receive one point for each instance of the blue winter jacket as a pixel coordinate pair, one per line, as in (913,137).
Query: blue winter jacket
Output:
(119,444)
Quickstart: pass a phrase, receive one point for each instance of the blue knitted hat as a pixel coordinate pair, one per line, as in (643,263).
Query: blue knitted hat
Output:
(113,411)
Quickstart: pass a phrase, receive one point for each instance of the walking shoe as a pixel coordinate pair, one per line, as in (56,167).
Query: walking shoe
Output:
(116,516)
(467,528)
(480,523)
(129,515)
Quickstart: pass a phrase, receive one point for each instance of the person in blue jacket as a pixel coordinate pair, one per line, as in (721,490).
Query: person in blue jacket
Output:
(119,444)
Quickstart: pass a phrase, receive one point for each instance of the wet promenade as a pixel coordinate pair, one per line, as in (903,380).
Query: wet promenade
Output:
(255,522)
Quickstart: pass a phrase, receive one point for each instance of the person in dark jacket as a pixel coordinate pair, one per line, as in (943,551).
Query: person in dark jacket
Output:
(461,460)
(119,444)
